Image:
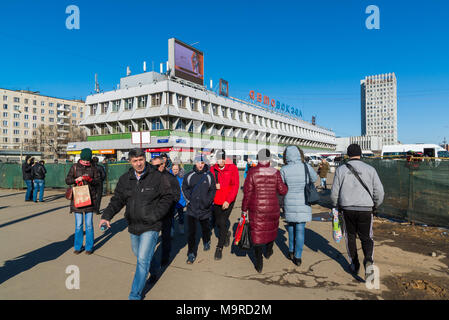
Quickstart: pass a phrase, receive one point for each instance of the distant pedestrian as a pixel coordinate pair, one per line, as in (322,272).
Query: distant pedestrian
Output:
(83,172)
(167,161)
(178,172)
(99,187)
(260,201)
(296,211)
(167,222)
(199,190)
(227,187)
(323,170)
(38,172)
(148,196)
(357,191)
(27,165)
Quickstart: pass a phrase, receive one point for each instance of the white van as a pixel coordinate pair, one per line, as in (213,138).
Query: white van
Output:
(400,150)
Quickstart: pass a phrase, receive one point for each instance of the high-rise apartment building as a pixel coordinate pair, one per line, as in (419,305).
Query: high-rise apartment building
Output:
(22,114)
(379,107)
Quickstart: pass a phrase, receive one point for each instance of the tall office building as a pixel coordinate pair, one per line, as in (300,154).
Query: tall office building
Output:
(379,107)
(22,114)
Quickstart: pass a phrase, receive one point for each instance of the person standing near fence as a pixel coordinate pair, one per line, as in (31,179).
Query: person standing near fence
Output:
(260,202)
(83,172)
(297,212)
(356,192)
(323,170)
(198,189)
(99,187)
(148,196)
(38,172)
(227,184)
(27,165)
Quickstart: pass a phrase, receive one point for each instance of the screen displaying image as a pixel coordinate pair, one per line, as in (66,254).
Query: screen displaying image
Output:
(189,63)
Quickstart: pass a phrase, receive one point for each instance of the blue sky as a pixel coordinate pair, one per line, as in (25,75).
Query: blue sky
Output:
(309,54)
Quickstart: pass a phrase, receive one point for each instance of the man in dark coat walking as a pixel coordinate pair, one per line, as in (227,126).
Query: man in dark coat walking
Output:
(199,190)
(28,177)
(260,201)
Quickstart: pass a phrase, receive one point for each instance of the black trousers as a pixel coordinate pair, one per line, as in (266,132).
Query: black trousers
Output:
(166,234)
(99,194)
(358,223)
(258,252)
(191,236)
(222,222)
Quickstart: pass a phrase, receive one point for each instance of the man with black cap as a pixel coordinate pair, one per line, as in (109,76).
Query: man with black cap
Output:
(198,188)
(227,184)
(357,191)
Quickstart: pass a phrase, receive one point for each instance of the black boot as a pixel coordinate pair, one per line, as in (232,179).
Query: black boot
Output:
(218,253)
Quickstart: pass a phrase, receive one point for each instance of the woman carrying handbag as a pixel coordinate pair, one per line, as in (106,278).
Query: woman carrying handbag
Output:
(83,173)
(298,176)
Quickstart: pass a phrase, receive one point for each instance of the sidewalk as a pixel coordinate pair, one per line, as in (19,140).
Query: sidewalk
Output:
(37,245)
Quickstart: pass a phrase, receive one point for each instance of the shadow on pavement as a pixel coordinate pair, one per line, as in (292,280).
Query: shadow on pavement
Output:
(31,259)
(32,216)
(116,227)
(54,197)
(12,194)
(4,207)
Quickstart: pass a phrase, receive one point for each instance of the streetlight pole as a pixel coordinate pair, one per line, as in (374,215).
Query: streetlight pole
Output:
(21,144)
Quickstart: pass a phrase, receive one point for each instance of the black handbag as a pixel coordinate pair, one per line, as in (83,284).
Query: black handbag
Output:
(311,194)
(245,241)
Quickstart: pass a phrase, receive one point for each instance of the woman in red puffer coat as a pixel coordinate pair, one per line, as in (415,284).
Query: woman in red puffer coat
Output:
(260,201)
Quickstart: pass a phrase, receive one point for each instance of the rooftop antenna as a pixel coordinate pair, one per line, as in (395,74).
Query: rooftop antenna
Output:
(97,86)
(152,65)
(162,67)
(128,71)
(144,66)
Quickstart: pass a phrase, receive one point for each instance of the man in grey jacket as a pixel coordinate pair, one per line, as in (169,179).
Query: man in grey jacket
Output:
(356,202)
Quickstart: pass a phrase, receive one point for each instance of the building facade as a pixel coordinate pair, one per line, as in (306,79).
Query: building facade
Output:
(379,107)
(366,143)
(24,114)
(184,118)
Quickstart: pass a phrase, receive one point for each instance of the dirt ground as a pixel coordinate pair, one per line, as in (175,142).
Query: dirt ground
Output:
(428,241)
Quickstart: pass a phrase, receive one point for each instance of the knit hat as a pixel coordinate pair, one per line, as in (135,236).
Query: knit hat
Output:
(354,150)
(86,154)
(221,155)
(200,158)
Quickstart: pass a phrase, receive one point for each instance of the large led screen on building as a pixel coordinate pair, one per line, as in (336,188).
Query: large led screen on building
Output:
(187,62)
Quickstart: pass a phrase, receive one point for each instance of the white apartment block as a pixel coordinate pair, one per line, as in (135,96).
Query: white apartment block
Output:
(22,112)
(379,107)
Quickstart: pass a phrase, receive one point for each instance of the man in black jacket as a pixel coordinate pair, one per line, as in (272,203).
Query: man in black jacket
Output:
(167,223)
(198,188)
(27,177)
(147,195)
(38,172)
(99,187)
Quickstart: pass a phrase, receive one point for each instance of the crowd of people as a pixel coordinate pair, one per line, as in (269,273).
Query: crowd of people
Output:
(156,194)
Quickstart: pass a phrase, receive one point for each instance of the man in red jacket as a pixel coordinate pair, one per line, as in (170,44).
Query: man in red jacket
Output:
(227,182)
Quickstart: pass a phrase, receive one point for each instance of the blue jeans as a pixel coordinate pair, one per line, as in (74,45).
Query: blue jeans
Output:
(39,185)
(28,195)
(296,238)
(79,234)
(323,183)
(143,247)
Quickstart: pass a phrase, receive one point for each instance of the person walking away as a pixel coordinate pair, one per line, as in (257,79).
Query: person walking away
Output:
(178,172)
(167,222)
(99,187)
(297,212)
(27,165)
(261,204)
(199,190)
(356,204)
(38,172)
(148,196)
(323,170)
(83,172)
(227,187)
